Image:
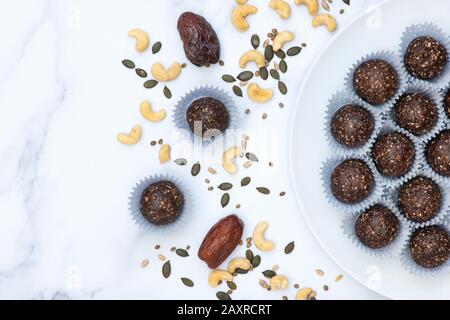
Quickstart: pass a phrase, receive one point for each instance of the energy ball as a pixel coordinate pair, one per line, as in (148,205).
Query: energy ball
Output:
(419,199)
(352,125)
(351,181)
(438,153)
(430,246)
(161,203)
(375,81)
(393,154)
(416,113)
(447,103)
(206,114)
(377,227)
(425,58)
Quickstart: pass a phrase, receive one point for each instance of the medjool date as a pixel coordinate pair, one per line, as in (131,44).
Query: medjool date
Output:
(200,42)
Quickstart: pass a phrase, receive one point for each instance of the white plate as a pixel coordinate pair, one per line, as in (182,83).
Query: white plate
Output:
(378,29)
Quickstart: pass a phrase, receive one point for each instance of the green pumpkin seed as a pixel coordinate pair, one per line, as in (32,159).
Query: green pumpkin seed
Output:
(241,271)
(225,186)
(274,74)
(129,64)
(269,274)
(231,285)
(150,84)
(268,53)
(246,181)
(166,269)
(245,75)
(237,91)
(293,51)
(249,255)
(223,295)
(289,248)
(182,253)
(282,87)
(181,161)
(141,73)
(225,200)
(263,73)
(156,47)
(228,78)
(255,41)
(256,261)
(263,190)
(196,169)
(347,2)
(250,156)
(280,54)
(167,92)
(187,282)
(283,66)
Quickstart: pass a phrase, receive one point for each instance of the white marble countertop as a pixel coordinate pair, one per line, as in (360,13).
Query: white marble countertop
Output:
(65,231)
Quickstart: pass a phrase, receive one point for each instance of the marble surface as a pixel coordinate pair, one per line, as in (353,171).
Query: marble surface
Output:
(65,232)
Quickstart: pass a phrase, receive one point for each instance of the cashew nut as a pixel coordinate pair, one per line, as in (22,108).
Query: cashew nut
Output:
(256,94)
(130,138)
(258,237)
(164,153)
(305,294)
(241,1)
(281,7)
(313,6)
(325,19)
(163,75)
(252,56)
(281,38)
(238,263)
(278,283)
(228,159)
(239,14)
(142,40)
(150,115)
(217,276)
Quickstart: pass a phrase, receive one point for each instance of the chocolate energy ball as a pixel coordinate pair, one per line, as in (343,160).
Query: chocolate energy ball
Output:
(377,227)
(416,113)
(393,154)
(375,81)
(438,153)
(352,125)
(207,114)
(425,58)
(161,203)
(430,246)
(351,181)
(419,199)
(447,103)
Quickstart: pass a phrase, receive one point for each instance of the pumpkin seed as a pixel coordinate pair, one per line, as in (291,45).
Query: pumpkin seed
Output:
(282,87)
(196,169)
(231,285)
(225,200)
(263,73)
(249,255)
(129,64)
(347,2)
(156,47)
(237,91)
(223,295)
(225,186)
(250,156)
(166,269)
(228,78)
(269,274)
(283,66)
(167,92)
(245,75)
(263,190)
(181,161)
(268,53)
(182,253)
(241,271)
(280,54)
(187,282)
(255,41)
(246,181)
(141,73)
(256,261)
(274,74)
(293,51)
(150,84)
(289,248)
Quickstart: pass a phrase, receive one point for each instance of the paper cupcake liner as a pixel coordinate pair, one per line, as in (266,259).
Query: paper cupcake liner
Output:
(391,250)
(426,29)
(393,182)
(443,210)
(179,113)
(389,57)
(410,265)
(135,197)
(427,167)
(338,100)
(431,92)
(328,167)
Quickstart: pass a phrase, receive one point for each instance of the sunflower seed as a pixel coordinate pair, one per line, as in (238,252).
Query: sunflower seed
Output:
(246,181)
(274,74)
(245,75)
(231,285)
(225,186)
(212,170)
(325,5)
(276,268)
(289,248)
(268,53)
(339,278)
(129,64)
(283,66)
(237,91)
(247,164)
(263,190)
(167,92)
(263,73)
(156,47)
(255,41)
(161,257)
(145,263)
(280,54)
(249,255)
(256,261)
(269,274)
(166,270)
(282,87)
(225,200)
(150,84)
(182,253)
(320,272)
(187,282)
(223,295)
(228,78)
(181,161)
(293,51)
(196,169)
(263,284)
(141,73)
(250,156)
